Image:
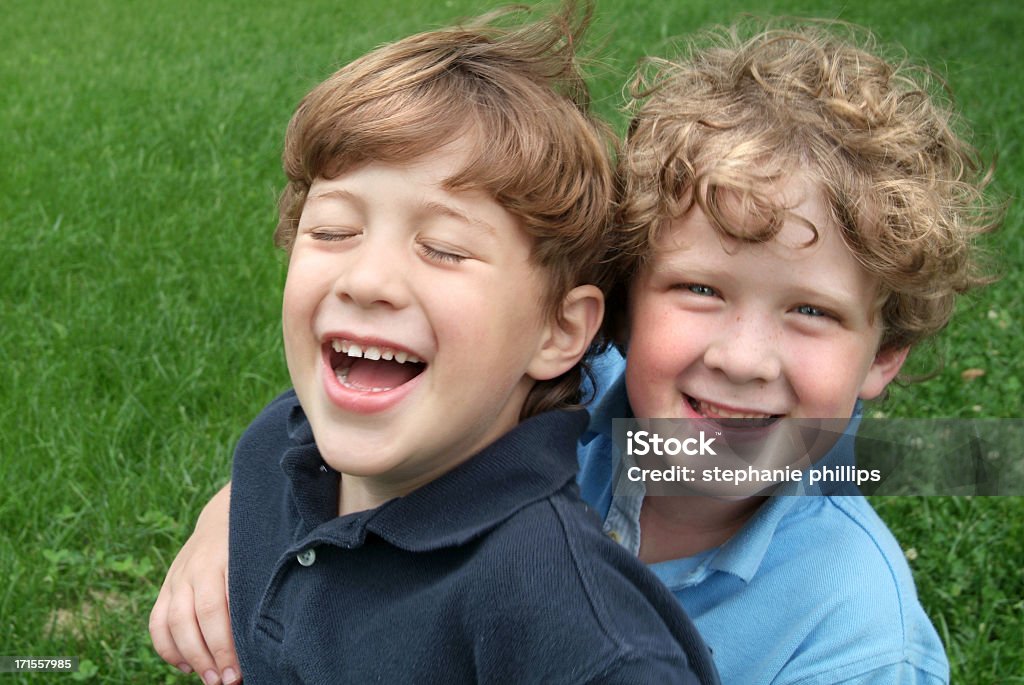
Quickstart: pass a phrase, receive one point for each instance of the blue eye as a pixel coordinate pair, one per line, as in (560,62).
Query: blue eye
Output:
(699,289)
(810,310)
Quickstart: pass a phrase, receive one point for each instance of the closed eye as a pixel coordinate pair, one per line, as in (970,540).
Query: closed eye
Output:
(332,234)
(441,255)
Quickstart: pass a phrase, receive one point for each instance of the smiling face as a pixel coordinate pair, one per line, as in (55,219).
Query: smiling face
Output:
(412,315)
(721,329)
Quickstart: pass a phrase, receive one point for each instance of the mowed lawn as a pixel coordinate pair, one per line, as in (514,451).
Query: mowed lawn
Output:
(139,290)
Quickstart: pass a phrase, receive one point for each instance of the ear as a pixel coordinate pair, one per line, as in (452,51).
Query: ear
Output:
(567,336)
(883,369)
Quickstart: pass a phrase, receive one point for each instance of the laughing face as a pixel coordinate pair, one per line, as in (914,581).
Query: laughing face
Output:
(411,317)
(723,330)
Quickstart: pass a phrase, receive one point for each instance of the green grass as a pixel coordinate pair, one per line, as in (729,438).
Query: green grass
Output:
(139,292)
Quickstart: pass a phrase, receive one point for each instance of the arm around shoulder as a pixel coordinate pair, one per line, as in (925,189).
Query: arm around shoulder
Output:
(189,623)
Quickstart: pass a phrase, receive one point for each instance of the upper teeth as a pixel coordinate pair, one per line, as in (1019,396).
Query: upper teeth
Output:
(373,352)
(715,411)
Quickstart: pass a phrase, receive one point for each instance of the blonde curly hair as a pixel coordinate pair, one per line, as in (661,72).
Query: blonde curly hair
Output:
(720,127)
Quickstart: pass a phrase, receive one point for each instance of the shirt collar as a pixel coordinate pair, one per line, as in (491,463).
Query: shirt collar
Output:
(299,429)
(529,463)
(742,554)
(614,404)
(313,484)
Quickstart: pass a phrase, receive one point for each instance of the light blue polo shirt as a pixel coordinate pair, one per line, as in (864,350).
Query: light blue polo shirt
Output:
(812,590)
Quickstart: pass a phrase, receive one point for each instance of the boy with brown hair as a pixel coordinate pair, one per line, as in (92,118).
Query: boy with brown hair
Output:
(409,512)
(798,213)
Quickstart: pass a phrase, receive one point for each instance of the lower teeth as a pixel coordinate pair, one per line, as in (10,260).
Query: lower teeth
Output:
(342,376)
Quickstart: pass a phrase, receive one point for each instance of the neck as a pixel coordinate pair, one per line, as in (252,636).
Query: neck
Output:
(677,527)
(360,494)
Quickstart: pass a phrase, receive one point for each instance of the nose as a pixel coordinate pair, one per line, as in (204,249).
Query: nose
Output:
(372,275)
(746,349)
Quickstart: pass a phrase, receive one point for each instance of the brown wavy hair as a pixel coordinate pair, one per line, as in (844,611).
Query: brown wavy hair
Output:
(518,93)
(719,127)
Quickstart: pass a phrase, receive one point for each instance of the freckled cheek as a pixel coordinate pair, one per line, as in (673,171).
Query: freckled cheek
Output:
(661,341)
(650,372)
(656,357)
(827,391)
(650,383)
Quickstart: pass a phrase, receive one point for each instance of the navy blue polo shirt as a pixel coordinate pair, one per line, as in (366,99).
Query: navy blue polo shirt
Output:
(496,572)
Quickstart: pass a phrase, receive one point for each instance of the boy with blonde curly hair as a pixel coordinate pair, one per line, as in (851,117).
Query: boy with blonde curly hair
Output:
(798,213)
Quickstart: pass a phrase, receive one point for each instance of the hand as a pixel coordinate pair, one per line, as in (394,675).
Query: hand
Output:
(190,625)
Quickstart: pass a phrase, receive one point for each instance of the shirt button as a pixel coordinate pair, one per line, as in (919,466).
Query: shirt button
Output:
(307,558)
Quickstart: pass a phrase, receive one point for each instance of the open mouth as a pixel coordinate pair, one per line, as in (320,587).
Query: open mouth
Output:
(372,368)
(731,419)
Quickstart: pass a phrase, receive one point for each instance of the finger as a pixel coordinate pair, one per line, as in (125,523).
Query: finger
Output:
(160,633)
(212,612)
(188,638)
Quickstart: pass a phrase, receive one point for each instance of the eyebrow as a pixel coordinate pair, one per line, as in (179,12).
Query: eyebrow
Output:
(428,206)
(434,207)
(332,194)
